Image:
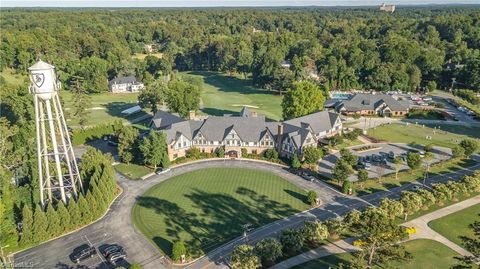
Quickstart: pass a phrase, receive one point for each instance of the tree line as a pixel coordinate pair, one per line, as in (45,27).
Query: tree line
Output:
(378,235)
(342,48)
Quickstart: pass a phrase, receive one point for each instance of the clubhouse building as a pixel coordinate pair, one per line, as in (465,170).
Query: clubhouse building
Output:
(248,131)
(371,104)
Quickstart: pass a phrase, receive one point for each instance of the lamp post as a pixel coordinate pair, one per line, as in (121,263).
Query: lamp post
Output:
(54,148)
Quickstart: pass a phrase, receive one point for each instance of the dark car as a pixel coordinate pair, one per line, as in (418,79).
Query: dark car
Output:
(83,252)
(391,155)
(117,256)
(111,249)
(368,158)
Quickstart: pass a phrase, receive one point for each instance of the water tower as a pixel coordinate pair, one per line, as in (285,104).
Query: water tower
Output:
(58,173)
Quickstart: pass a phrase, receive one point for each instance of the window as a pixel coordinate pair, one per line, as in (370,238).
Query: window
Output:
(175,155)
(233,135)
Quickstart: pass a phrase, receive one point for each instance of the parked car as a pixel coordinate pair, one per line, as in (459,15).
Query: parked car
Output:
(83,252)
(116,256)
(368,158)
(368,166)
(391,155)
(112,249)
(162,171)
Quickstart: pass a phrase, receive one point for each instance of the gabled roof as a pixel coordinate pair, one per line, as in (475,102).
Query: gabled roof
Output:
(318,122)
(249,129)
(163,119)
(123,80)
(363,101)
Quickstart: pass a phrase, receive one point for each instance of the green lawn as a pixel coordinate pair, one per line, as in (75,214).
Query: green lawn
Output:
(105,107)
(223,94)
(449,135)
(133,171)
(208,207)
(427,254)
(455,225)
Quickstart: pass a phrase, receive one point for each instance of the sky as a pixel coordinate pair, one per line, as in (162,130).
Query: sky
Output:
(211,3)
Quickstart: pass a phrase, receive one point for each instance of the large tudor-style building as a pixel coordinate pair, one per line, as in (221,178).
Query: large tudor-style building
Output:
(247,130)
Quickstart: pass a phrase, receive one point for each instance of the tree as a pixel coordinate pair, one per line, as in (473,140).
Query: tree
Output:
(178,250)
(220,152)
(348,156)
(75,214)
(64,217)
(458,151)
(81,100)
(314,231)
(398,163)
(312,198)
(268,250)
(127,138)
(470,146)
(302,98)
(362,176)
(243,257)
(182,97)
(472,245)
(296,162)
(154,148)
(336,227)
(380,236)
(411,201)
(312,154)
(342,170)
(54,225)
(428,198)
(40,225)
(431,86)
(442,192)
(152,96)
(413,160)
(86,215)
(392,208)
(27,226)
(135,266)
(292,240)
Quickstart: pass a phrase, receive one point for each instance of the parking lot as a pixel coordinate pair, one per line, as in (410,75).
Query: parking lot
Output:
(376,168)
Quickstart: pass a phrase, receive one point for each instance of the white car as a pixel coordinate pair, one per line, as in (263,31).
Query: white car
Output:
(162,171)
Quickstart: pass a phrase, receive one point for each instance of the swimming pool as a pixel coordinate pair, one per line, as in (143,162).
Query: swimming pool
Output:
(341,96)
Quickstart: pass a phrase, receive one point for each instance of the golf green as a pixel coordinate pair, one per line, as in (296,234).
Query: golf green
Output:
(208,207)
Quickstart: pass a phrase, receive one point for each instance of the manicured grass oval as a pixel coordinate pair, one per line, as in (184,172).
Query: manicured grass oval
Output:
(208,207)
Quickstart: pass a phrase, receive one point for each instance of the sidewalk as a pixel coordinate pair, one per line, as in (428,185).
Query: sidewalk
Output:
(425,232)
(337,247)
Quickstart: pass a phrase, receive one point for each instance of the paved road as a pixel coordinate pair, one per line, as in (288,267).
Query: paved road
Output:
(117,227)
(341,206)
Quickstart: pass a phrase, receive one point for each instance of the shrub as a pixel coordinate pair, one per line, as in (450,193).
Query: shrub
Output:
(312,198)
(458,151)
(470,146)
(353,134)
(178,250)
(244,152)
(271,154)
(193,153)
(296,162)
(312,154)
(220,152)
(347,186)
(411,230)
(292,240)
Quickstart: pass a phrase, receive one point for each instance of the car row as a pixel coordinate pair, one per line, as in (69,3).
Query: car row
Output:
(112,253)
(364,162)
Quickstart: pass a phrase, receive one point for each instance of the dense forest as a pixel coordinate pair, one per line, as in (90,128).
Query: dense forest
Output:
(344,48)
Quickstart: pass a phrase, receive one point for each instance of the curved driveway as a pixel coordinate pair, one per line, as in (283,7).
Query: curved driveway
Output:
(117,227)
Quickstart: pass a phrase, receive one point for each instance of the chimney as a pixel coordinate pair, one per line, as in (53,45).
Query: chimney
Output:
(192,115)
(279,137)
(254,114)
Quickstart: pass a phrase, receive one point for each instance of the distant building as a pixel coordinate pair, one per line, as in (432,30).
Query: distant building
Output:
(248,131)
(372,104)
(125,85)
(387,8)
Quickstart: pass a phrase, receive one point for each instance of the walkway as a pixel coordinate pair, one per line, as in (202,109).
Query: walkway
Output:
(424,231)
(337,247)
(420,223)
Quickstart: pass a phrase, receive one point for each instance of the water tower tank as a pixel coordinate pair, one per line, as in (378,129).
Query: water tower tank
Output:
(42,76)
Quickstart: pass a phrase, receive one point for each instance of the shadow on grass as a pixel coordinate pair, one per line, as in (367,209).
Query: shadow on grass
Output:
(297,195)
(220,219)
(218,112)
(230,84)
(115,109)
(332,261)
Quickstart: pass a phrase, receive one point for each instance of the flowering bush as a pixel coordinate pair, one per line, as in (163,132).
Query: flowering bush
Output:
(411,230)
(358,243)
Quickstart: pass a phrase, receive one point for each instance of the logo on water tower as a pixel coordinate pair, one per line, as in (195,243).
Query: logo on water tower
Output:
(38,79)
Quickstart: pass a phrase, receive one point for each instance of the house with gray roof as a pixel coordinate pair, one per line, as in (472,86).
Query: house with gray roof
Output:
(128,84)
(247,130)
(372,104)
